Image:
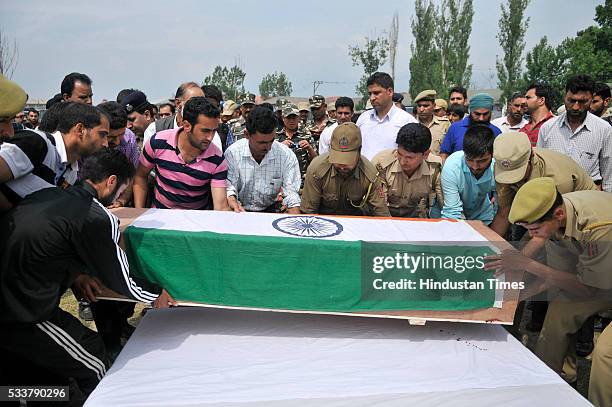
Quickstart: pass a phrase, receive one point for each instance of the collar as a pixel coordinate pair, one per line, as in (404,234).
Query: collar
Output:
(485,177)
(537,166)
(88,188)
(355,172)
(422,170)
(60,147)
(246,152)
(172,140)
(587,123)
(465,122)
(388,116)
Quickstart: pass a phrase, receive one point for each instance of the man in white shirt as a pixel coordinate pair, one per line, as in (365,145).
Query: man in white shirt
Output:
(379,126)
(260,168)
(513,120)
(344,113)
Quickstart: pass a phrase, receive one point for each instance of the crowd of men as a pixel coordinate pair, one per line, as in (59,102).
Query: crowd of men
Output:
(533,177)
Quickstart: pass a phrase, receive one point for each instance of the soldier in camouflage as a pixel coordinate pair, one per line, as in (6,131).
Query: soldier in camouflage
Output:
(320,119)
(280,103)
(237,126)
(300,143)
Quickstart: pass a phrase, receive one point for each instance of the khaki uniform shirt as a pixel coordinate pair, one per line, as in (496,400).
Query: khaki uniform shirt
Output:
(585,247)
(568,175)
(410,197)
(326,192)
(438,128)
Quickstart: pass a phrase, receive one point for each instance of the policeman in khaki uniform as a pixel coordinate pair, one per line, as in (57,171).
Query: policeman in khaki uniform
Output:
(342,182)
(237,126)
(301,143)
(425,105)
(410,175)
(516,162)
(577,227)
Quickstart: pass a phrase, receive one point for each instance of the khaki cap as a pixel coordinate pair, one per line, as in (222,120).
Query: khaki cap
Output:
(289,109)
(428,94)
(511,151)
(441,104)
(331,107)
(345,144)
(533,200)
(229,107)
(303,106)
(316,101)
(12,99)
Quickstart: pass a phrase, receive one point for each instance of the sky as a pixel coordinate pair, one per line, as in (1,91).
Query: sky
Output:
(154,46)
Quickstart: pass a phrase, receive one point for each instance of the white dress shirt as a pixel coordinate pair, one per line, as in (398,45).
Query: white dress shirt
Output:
(502,124)
(256,185)
(380,134)
(325,138)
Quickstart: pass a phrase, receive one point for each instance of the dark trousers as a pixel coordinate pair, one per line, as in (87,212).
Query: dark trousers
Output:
(111,317)
(52,352)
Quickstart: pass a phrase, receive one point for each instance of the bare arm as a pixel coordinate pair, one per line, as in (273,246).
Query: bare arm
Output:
(219,197)
(141,186)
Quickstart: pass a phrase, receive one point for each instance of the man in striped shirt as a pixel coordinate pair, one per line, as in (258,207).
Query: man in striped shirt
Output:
(190,169)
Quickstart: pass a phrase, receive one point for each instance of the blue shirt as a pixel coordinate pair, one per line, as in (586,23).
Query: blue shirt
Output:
(464,194)
(453,141)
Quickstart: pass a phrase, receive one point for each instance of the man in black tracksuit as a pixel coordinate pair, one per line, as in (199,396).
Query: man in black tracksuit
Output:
(52,240)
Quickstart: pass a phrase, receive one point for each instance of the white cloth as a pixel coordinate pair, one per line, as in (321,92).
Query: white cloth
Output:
(590,145)
(211,357)
(325,138)
(377,134)
(255,185)
(502,124)
(150,131)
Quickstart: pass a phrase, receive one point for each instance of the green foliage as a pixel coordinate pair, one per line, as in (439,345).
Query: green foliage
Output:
(454,28)
(371,57)
(511,36)
(425,62)
(275,84)
(545,63)
(229,80)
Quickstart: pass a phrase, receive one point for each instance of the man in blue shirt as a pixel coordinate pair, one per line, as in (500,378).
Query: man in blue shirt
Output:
(468,183)
(480,113)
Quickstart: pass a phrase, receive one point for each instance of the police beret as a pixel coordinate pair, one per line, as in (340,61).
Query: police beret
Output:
(533,200)
(12,98)
(428,94)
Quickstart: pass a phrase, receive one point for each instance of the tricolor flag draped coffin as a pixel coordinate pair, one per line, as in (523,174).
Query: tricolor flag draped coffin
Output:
(313,263)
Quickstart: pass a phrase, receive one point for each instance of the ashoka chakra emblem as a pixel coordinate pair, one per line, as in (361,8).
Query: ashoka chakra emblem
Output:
(307,226)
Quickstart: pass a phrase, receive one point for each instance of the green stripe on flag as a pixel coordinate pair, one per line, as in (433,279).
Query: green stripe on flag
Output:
(284,273)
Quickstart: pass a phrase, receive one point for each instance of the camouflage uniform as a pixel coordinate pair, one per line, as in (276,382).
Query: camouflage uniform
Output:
(237,126)
(315,130)
(301,153)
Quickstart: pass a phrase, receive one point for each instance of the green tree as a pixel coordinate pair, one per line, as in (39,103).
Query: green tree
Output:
(511,36)
(229,80)
(275,84)
(548,64)
(425,66)
(371,56)
(453,33)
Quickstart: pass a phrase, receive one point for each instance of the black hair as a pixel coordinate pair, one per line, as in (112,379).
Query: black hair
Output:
(515,96)
(267,105)
(106,162)
(198,105)
(212,92)
(458,89)
(74,113)
(33,110)
(601,89)
(183,88)
(343,101)
(69,80)
(54,100)
(454,108)
(51,117)
(170,105)
(380,78)
(478,141)
(580,83)
(543,90)
(117,115)
(549,214)
(414,137)
(123,93)
(262,120)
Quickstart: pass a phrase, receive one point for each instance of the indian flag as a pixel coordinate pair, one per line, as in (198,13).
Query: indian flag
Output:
(312,263)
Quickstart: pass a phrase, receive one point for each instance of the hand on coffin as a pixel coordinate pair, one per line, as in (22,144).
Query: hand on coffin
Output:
(164,300)
(234,204)
(508,260)
(87,287)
